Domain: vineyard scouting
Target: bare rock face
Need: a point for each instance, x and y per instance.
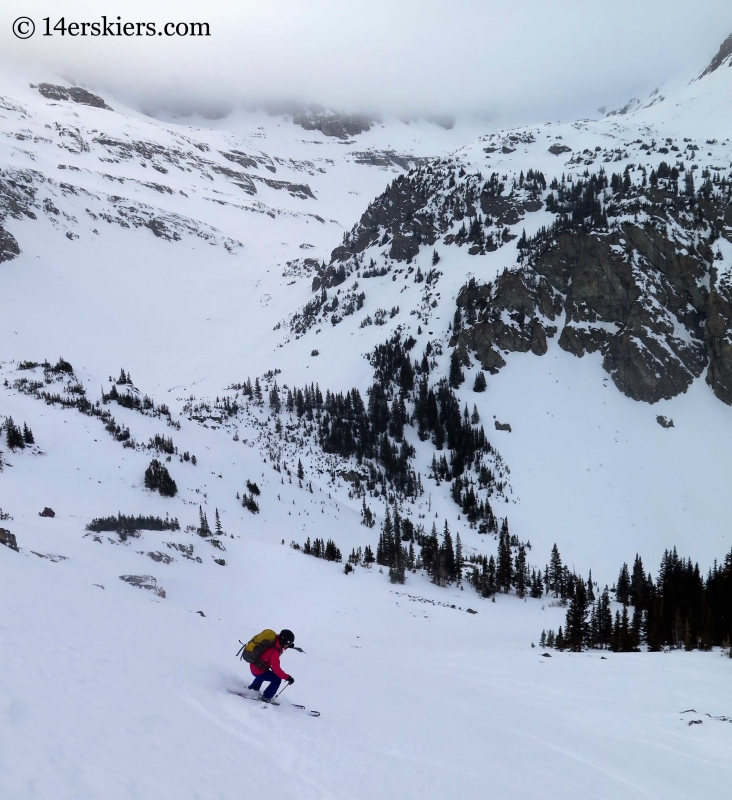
(625, 294)
(144, 582)
(342, 126)
(558, 149)
(725, 51)
(636, 292)
(513, 314)
(8, 539)
(718, 335)
(401, 212)
(160, 558)
(8, 245)
(74, 94)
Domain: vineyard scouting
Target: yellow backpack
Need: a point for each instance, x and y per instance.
(252, 651)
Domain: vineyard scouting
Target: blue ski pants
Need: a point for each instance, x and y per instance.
(274, 683)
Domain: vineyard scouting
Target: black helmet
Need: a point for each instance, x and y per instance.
(287, 638)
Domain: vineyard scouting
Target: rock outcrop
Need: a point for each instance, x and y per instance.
(73, 94)
(144, 582)
(8, 245)
(718, 337)
(8, 539)
(342, 126)
(636, 291)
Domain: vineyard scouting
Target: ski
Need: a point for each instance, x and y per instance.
(302, 708)
(264, 703)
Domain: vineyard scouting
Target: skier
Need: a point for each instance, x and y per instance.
(267, 668)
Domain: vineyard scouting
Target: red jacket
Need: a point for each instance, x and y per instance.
(271, 657)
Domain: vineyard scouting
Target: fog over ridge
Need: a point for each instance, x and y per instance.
(517, 60)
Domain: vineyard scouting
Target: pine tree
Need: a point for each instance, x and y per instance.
(300, 470)
(13, 435)
(475, 418)
(537, 589)
(396, 570)
(604, 620)
(28, 435)
(445, 568)
(622, 592)
(520, 572)
(459, 560)
(367, 518)
(456, 376)
(218, 528)
(577, 629)
(274, 399)
(385, 546)
(479, 385)
(634, 638)
(257, 392)
(504, 567)
(590, 590)
(203, 527)
(554, 583)
(157, 478)
(638, 587)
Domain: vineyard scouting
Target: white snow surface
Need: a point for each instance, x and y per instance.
(108, 690)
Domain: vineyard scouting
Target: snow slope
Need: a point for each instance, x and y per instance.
(115, 692)
(118, 692)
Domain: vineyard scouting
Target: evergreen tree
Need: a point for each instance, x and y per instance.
(274, 399)
(638, 586)
(13, 435)
(157, 478)
(456, 376)
(459, 560)
(604, 620)
(218, 528)
(480, 384)
(636, 626)
(367, 518)
(300, 470)
(504, 567)
(622, 592)
(590, 590)
(396, 569)
(384, 548)
(28, 435)
(520, 577)
(577, 629)
(537, 589)
(555, 572)
(448, 567)
(203, 527)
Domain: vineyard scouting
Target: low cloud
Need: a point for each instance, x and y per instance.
(517, 60)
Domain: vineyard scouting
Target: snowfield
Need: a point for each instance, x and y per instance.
(159, 259)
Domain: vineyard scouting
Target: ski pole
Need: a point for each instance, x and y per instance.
(282, 690)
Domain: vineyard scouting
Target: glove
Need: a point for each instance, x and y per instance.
(290, 679)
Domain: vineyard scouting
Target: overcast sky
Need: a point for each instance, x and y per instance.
(508, 59)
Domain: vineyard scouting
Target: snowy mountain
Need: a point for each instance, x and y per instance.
(229, 344)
